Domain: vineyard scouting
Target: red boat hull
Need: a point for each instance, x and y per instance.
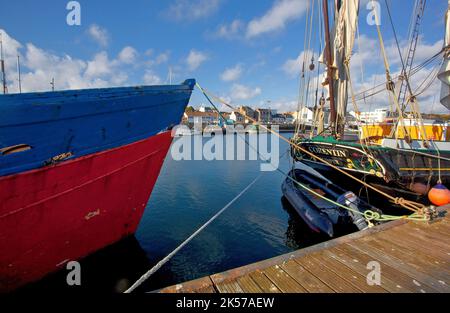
(64, 212)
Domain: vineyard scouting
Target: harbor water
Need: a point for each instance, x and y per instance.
(259, 225)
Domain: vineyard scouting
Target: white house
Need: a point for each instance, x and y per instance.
(237, 117)
(201, 117)
(305, 115)
(204, 109)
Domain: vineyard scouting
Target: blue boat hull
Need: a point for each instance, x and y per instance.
(37, 129)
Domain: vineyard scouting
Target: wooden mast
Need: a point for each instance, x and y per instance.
(329, 66)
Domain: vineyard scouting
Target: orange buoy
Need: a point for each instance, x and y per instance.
(439, 195)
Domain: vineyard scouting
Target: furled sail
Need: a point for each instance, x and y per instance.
(346, 23)
(444, 73)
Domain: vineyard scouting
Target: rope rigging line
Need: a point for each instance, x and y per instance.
(412, 99)
(368, 214)
(382, 87)
(431, 77)
(301, 91)
(389, 83)
(155, 268)
(410, 205)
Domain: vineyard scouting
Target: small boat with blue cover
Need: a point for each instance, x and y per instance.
(301, 188)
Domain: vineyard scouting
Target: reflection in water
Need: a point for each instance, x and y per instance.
(108, 270)
(299, 235)
(256, 227)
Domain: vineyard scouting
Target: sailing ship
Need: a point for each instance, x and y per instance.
(409, 157)
(77, 168)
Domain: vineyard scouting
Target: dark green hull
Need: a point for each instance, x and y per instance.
(402, 168)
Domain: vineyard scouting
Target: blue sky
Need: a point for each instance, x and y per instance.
(244, 51)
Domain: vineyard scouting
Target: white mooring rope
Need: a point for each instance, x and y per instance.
(171, 254)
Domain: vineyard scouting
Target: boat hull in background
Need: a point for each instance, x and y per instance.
(63, 212)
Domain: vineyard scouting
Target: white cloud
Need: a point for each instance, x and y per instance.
(231, 74)
(195, 59)
(99, 66)
(40, 66)
(292, 66)
(230, 31)
(242, 92)
(128, 55)
(282, 12)
(367, 52)
(192, 9)
(157, 60)
(36, 58)
(162, 58)
(99, 34)
(423, 51)
(150, 78)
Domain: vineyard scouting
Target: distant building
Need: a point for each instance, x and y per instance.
(248, 113)
(288, 118)
(278, 119)
(305, 115)
(205, 109)
(237, 117)
(377, 116)
(201, 117)
(263, 115)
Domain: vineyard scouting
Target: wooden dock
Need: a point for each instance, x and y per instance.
(413, 257)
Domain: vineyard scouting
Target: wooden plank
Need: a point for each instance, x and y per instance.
(333, 281)
(413, 256)
(248, 284)
(237, 272)
(356, 279)
(230, 286)
(421, 262)
(418, 246)
(401, 266)
(305, 278)
(426, 235)
(209, 289)
(283, 281)
(440, 225)
(413, 235)
(391, 279)
(264, 283)
(408, 234)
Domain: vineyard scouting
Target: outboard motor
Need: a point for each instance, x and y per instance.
(349, 199)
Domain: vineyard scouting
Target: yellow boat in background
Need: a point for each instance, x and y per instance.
(376, 132)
